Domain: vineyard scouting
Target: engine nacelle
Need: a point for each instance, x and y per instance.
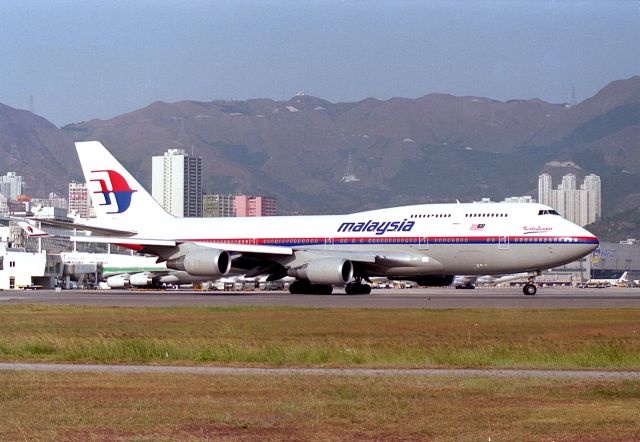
(203, 263)
(334, 271)
(118, 281)
(140, 280)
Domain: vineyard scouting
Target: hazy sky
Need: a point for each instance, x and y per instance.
(97, 59)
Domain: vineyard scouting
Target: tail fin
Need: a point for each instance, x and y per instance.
(32, 231)
(623, 278)
(116, 195)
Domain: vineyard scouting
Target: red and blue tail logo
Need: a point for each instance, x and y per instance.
(119, 189)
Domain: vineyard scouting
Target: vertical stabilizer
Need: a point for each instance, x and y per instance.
(623, 278)
(115, 194)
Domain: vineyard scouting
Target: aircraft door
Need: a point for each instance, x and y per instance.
(328, 242)
(503, 243)
(423, 243)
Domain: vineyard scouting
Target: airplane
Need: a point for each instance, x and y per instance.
(121, 271)
(607, 282)
(428, 244)
(470, 281)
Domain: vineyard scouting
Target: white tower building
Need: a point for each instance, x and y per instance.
(544, 189)
(12, 185)
(4, 208)
(592, 190)
(176, 183)
(582, 206)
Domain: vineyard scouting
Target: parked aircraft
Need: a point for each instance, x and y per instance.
(118, 270)
(470, 281)
(121, 271)
(608, 282)
(423, 243)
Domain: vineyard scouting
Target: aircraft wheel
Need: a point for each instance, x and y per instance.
(357, 289)
(529, 289)
(322, 289)
(306, 288)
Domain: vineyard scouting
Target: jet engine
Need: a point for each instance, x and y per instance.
(203, 263)
(325, 271)
(118, 281)
(140, 280)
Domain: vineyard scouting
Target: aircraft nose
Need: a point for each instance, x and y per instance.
(590, 241)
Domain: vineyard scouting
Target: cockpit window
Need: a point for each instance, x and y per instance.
(548, 212)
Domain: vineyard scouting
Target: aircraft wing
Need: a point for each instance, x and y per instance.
(148, 243)
(259, 259)
(101, 230)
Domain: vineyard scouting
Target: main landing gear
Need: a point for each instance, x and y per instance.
(530, 288)
(357, 288)
(301, 287)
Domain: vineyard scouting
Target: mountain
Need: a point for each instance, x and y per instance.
(35, 149)
(434, 148)
(437, 147)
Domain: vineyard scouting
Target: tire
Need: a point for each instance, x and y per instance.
(357, 289)
(305, 288)
(529, 289)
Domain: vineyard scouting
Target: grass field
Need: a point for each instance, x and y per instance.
(280, 336)
(40, 406)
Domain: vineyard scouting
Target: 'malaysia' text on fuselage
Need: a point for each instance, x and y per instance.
(379, 227)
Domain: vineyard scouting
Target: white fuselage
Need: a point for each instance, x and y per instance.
(469, 239)
(115, 264)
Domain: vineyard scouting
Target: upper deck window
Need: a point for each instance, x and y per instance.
(547, 212)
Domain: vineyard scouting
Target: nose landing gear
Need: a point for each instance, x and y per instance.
(530, 288)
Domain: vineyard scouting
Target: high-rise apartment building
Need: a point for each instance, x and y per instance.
(176, 183)
(79, 200)
(4, 208)
(217, 205)
(12, 185)
(579, 205)
(252, 205)
(544, 189)
(593, 198)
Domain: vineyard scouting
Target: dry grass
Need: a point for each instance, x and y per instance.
(107, 407)
(275, 336)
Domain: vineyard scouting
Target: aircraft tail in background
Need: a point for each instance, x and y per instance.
(32, 231)
(115, 193)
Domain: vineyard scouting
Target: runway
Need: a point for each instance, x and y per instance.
(429, 298)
